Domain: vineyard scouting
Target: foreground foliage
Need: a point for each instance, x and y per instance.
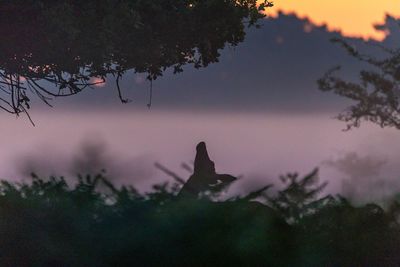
(93, 223)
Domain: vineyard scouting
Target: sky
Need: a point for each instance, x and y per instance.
(354, 18)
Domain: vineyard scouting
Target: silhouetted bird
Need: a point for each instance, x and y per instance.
(204, 177)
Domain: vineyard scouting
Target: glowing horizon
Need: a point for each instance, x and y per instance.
(354, 18)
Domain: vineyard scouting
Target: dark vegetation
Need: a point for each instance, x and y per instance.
(90, 222)
(375, 95)
(57, 48)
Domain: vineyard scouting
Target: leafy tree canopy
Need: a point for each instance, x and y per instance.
(68, 43)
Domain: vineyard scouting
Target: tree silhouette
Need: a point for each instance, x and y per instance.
(56, 48)
(376, 95)
(299, 198)
(204, 178)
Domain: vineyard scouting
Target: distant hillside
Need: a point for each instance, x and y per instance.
(275, 69)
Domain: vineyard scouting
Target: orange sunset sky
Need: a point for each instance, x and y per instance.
(354, 18)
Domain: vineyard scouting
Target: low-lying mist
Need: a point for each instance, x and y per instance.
(360, 164)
